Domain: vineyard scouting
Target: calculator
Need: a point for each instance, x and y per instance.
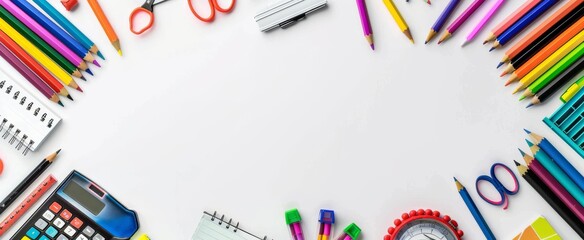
(79, 209)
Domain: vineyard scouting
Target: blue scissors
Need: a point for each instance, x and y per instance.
(503, 191)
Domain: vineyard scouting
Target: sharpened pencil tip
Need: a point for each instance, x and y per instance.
(529, 105)
(96, 63)
(70, 98)
(120, 52)
(500, 64)
(517, 163)
(58, 151)
(490, 50)
(456, 180)
(372, 46)
(485, 42)
(89, 71)
(83, 78)
(60, 103)
(521, 151)
(79, 89)
(527, 131)
(522, 97)
(464, 43)
(100, 55)
(529, 143)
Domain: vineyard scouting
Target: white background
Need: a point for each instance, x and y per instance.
(223, 117)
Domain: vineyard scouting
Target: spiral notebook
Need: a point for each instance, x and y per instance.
(25, 122)
(215, 227)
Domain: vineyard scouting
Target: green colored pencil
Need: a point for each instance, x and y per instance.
(553, 72)
(41, 44)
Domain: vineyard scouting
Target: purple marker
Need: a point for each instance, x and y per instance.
(293, 220)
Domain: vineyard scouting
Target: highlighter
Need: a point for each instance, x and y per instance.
(293, 220)
(326, 222)
(572, 90)
(351, 232)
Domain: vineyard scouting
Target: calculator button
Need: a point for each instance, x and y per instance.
(52, 232)
(25, 238)
(44, 238)
(48, 215)
(41, 224)
(98, 237)
(61, 237)
(70, 231)
(88, 231)
(33, 233)
(77, 223)
(55, 207)
(65, 214)
(81, 237)
(59, 223)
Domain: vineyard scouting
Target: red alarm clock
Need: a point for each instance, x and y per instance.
(424, 225)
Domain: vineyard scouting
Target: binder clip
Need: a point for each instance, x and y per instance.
(286, 13)
(69, 4)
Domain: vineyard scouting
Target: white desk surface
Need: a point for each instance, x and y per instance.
(223, 117)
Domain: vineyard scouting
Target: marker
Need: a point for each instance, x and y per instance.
(327, 220)
(572, 90)
(293, 220)
(351, 232)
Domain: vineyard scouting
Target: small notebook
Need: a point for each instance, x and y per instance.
(25, 122)
(539, 229)
(215, 227)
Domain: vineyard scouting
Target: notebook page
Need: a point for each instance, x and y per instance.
(212, 230)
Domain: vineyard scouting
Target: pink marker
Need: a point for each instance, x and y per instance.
(483, 22)
(293, 220)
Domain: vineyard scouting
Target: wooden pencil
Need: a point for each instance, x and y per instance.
(403, 26)
(511, 19)
(106, 25)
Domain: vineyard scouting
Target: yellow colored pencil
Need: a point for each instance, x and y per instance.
(550, 61)
(401, 23)
(36, 53)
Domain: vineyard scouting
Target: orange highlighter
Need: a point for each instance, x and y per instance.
(106, 25)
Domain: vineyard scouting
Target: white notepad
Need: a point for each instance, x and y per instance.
(25, 122)
(215, 227)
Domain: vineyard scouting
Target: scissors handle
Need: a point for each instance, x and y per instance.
(503, 191)
(213, 5)
(133, 17)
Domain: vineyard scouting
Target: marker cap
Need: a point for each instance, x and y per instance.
(353, 231)
(327, 216)
(292, 216)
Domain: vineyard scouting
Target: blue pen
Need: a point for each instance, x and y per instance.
(68, 26)
(523, 22)
(558, 158)
(55, 30)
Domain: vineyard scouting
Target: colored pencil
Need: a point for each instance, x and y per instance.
(571, 211)
(401, 23)
(39, 43)
(59, 33)
(106, 25)
(472, 207)
(555, 85)
(511, 19)
(446, 13)
(483, 21)
(44, 34)
(572, 90)
(48, 92)
(26, 182)
(68, 26)
(523, 23)
(557, 157)
(554, 72)
(554, 23)
(16, 42)
(550, 61)
(365, 24)
(544, 40)
(556, 172)
(461, 19)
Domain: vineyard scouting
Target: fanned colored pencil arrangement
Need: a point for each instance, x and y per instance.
(49, 55)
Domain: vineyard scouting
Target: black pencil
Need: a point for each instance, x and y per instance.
(552, 87)
(546, 38)
(32, 176)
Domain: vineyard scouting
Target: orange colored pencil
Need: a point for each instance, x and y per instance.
(43, 74)
(546, 51)
(511, 19)
(541, 29)
(106, 25)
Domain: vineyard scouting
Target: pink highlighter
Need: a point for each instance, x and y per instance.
(293, 220)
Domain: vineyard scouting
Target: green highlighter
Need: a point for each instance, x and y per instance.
(572, 90)
(351, 232)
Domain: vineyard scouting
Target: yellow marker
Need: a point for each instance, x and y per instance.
(36, 53)
(572, 90)
(550, 61)
(401, 23)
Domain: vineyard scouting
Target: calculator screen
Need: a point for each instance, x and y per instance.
(84, 198)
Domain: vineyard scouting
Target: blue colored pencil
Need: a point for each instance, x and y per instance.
(523, 22)
(472, 207)
(68, 26)
(55, 30)
(442, 19)
(558, 158)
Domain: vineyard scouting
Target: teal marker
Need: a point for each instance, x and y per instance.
(68, 26)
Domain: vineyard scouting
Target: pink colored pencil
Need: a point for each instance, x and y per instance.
(44, 34)
(483, 22)
(461, 19)
(511, 19)
(365, 24)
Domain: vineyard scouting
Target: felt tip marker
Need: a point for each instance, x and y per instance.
(293, 220)
(326, 222)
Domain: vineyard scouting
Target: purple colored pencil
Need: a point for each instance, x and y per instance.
(26, 72)
(442, 19)
(44, 34)
(461, 19)
(365, 24)
(484, 21)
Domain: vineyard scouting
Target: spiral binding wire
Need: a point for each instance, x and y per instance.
(13, 130)
(228, 224)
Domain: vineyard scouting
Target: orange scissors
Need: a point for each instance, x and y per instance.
(214, 6)
(148, 9)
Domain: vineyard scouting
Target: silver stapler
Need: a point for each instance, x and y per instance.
(286, 13)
